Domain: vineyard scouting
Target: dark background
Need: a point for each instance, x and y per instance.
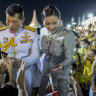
(68, 8)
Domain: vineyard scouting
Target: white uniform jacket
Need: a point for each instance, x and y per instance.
(25, 40)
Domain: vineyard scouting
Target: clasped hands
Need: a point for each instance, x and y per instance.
(8, 63)
(5, 64)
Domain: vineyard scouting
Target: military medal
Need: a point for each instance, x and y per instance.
(5, 39)
(25, 38)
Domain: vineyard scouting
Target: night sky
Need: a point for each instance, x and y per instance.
(68, 8)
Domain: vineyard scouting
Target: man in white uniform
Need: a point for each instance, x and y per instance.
(21, 41)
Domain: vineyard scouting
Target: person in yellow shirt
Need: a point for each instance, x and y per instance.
(84, 47)
(88, 61)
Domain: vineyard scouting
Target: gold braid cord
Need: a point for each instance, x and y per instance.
(7, 45)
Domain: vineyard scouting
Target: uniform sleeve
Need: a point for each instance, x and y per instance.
(68, 49)
(33, 58)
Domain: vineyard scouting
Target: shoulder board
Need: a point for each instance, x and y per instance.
(30, 28)
(3, 28)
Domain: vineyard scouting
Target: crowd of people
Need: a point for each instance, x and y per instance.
(83, 66)
(28, 59)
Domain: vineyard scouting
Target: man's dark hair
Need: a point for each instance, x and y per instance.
(15, 8)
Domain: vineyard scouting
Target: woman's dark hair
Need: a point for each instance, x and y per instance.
(15, 8)
(50, 10)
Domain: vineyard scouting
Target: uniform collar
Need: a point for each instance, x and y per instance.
(19, 30)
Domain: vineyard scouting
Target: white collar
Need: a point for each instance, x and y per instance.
(18, 31)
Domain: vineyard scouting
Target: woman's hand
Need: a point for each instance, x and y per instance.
(58, 68)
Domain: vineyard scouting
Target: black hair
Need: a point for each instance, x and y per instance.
(8, 90)
(50, 10)
(15, 8)
(77, 45)
(86, 41)
(74, 65)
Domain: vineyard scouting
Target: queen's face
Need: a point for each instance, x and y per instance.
(51, 23)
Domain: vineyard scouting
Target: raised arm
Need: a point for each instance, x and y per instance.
(20, 80)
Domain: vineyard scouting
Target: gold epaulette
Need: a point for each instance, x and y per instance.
(30, 28)
(3, 28)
